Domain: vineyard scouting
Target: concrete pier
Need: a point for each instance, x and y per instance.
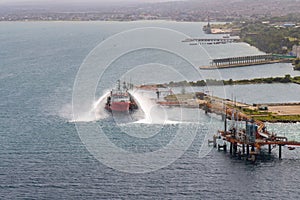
(243, 61)
(211, 40)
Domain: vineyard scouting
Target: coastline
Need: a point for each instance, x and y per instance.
(283, 112)
(213, 82)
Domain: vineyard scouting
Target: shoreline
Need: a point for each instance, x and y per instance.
(267, 112)
(283, 112)
(213, 82)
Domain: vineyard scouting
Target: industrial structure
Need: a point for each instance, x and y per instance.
(247, 142)
(247, 61)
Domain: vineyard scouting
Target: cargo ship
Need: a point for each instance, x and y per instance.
(120, 99)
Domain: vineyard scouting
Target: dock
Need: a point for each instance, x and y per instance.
(211, 40)
(253, 136)
(242, 61)
(246, 142)
(266, 112)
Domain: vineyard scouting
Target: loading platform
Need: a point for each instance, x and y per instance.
(244, 142)
(253, 136)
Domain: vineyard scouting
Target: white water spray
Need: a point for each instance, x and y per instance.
(153, 113)
(96, 112)
(149, 112)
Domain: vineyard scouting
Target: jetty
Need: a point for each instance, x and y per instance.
(246, 142)
(242, 142)
(194, 41)
(253, 136)
(246, 61)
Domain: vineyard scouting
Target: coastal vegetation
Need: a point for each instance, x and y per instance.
(270, 39)
(296, 63)
(267, 116)
(251, 112)
(271, 35)
(286, 79)
(266, 113)
(277, 118)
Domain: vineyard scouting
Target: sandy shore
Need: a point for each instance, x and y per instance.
(285, 109)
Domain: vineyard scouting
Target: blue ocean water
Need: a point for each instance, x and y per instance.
(42, 156)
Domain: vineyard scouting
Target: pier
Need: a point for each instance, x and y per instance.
(244, 61)
(246, 142)
(253, 136)
(210, 40)
(243, 142)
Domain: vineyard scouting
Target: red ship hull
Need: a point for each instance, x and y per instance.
(120, 106)
(120, 100)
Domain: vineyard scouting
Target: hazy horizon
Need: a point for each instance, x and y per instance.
(82, 1)
(179, 10)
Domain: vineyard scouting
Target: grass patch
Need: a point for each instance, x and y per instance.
(248, 111)
(278, 118)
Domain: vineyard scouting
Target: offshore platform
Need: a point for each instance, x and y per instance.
(247, 142)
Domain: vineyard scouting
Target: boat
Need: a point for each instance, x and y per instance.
(120, 99)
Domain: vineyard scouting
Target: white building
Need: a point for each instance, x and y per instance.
(296, 51)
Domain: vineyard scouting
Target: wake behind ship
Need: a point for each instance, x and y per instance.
(120, 99)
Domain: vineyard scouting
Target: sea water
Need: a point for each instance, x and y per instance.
(45, 154)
